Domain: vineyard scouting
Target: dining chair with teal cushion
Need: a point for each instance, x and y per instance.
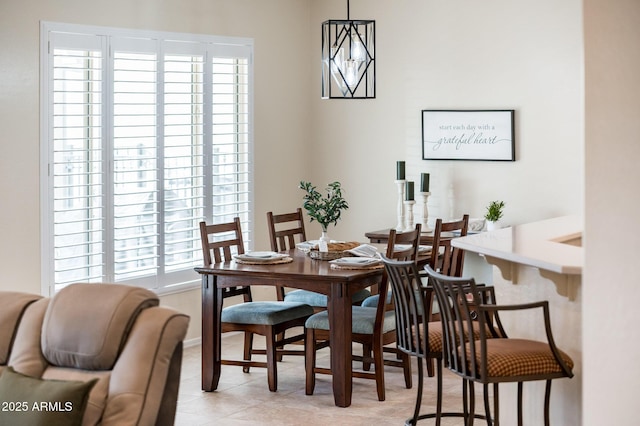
(373, 327)
(285, 230)
(447, 260)
(269, 319)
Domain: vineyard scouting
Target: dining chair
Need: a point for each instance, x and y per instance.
(285, 230)
(448, 260)
(492, 358)
(269, 319)
(373, 327)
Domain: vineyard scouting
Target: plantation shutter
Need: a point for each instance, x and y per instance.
(77, 158)
(231, 135)
(144, 136)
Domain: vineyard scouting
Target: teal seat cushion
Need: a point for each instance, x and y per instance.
(372, 302)
(320, 300)
(265, 313)
(362, 323)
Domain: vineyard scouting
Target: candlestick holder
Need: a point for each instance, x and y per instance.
(409, 214)
(423, 210)
(401, 188)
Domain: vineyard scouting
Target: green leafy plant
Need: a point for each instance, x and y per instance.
(324, 210)
(494, 211)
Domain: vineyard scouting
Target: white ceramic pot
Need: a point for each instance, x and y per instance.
(492, 226)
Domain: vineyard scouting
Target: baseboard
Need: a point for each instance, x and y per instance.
(198, 340)
(192, 342)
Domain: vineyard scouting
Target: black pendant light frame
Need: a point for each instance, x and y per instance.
(339, 36)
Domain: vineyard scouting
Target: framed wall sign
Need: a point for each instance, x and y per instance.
(468, 135)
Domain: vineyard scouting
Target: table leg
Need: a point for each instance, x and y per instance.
(211, 332)
(340, 340)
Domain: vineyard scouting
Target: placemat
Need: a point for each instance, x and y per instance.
(265, 262)
(376, 266)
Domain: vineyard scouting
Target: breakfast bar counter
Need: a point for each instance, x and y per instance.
(553, 246)
(539, 261)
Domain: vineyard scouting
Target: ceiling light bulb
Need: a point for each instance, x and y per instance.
(358, 51)
(351, 72)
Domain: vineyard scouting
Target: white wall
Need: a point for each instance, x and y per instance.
(610, 333)
(281, 108)
(500, 54)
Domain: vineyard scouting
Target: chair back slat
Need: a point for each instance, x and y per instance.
(445, 258)
(285, 239)
(284, 229)
(400, 246)
(219, 243)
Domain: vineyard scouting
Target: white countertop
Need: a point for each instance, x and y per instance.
(538, 244)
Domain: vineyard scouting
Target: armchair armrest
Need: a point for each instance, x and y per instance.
(142, 373)
(547, 325)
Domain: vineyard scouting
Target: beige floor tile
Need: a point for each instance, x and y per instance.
(244, 399)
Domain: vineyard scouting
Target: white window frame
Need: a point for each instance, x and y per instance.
(215, 46)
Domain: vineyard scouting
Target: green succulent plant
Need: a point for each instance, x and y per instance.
(324, 210)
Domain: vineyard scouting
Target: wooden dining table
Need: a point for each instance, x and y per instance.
(302, 273)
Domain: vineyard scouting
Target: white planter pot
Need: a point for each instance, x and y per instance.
(492, 226)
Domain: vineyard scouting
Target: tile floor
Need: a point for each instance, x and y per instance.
(244, 399)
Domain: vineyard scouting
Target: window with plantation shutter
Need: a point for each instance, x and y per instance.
(144, 135)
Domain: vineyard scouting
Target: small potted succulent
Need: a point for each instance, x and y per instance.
(494, 214)
(324, 210)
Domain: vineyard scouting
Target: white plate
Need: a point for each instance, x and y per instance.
(261, 254)
(361, 261)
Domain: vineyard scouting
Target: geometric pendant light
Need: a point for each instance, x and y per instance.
(348, 59)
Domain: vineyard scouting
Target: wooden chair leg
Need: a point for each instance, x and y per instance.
(366, 356)
(248, 348)
(430, 371)
(378, 361)
(279, 337)
(406, 366)
(272, 364)
(310, 361)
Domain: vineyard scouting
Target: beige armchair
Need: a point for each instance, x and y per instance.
(115, 335)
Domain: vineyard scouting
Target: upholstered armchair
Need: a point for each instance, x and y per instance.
(120, 350)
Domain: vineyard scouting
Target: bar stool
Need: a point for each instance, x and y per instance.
(490, 357)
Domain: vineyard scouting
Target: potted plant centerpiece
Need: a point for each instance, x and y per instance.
(324, 210)
(494, 214)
